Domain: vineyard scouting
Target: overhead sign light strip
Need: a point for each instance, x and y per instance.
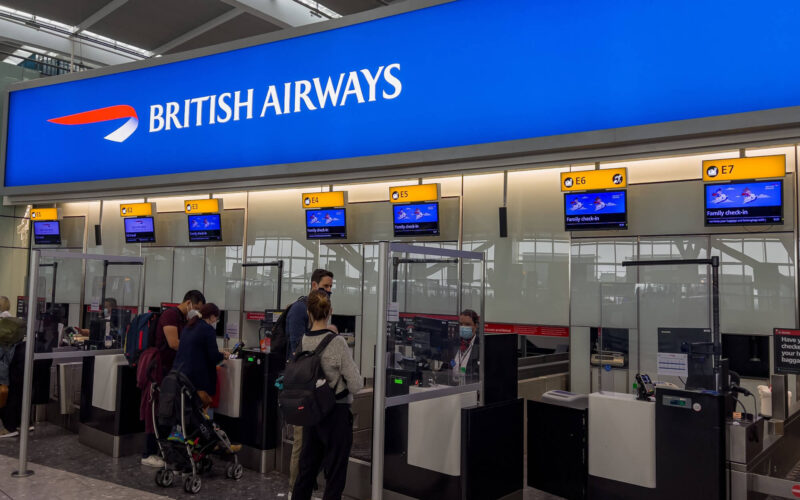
(475, 79)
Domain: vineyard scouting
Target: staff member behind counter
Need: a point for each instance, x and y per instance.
(464, 362)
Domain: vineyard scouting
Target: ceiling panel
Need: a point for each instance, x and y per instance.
(70, 12)
(151, 23)
(241, 26)
(345, 7)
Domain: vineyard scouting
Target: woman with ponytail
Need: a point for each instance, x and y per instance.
(328, 443)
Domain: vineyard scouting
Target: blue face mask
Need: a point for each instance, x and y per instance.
(465, 332)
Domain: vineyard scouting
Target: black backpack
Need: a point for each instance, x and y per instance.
(303, 400)
(279, 341)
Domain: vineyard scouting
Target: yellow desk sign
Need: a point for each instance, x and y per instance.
(328, 199)
(757, 167)
(589, 180)
(204, 206)
(416, 192)
(44, 213)
(136, 210)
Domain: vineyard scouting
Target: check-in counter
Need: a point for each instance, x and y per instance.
(248, 406)
(109, 414)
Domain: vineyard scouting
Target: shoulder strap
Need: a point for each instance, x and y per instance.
(327, 340)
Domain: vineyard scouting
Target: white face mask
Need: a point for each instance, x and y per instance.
(192, 313)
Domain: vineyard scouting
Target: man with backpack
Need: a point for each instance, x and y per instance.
(296, 326)
(167, 336)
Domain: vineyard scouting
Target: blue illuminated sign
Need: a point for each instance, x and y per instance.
(462, 73)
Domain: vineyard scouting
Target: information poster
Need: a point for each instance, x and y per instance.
(787, 351)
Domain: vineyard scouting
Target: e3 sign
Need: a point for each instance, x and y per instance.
(757, 167)
(589, 180)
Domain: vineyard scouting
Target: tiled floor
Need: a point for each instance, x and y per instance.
(67, 470)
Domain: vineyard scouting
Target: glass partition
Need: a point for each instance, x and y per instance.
(661, 326)
(431, 362)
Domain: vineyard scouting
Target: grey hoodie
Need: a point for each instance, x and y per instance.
(340, 370)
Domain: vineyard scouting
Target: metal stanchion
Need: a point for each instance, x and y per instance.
(27, 387)
(379, 384)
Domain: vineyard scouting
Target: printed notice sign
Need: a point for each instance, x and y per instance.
(675, 364)
(787, 350)
(393, 312)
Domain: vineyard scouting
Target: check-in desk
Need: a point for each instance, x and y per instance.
(109, 414)
(248, 407)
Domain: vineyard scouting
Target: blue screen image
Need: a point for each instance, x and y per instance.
(744, 194)
(326, 224)
(323, 218)
(204, 222)
(595, 210)
(744, 203)
(47, 232)
(139, 225)
(206, 227)
(612, 202)
(424, 212)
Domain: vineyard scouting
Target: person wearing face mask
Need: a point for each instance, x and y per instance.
(297, 324)
(198, 354)
(465, 362)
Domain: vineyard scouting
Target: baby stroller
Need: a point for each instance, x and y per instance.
(187, 451)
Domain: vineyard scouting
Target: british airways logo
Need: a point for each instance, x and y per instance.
(361, 86)
(103, 115)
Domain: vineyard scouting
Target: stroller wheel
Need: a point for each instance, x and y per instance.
(192, 484)
(234, 471)
(160, 477)
(167, 478)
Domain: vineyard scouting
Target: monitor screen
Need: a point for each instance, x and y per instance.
(326, 224)
(47, 232)
(139, 230)
(420, 219)
(595, 211)
(744, 203)
(748, 355)
(205, 227)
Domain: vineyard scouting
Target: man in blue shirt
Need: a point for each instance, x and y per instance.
(296, 326)
(297, 317)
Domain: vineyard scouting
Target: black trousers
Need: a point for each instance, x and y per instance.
(12, 413)
(326, 446)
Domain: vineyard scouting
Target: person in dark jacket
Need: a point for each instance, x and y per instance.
(198, 354)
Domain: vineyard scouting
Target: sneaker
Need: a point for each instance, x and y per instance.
(5, 433)
(153, 461)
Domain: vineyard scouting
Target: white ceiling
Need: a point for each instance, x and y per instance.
(104, 32)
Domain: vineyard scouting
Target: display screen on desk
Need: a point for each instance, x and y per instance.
(47, 232)
(326, 224)
(744, 203)
(205, 227)
(595, 211)
(139, 230)
(420, 219)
